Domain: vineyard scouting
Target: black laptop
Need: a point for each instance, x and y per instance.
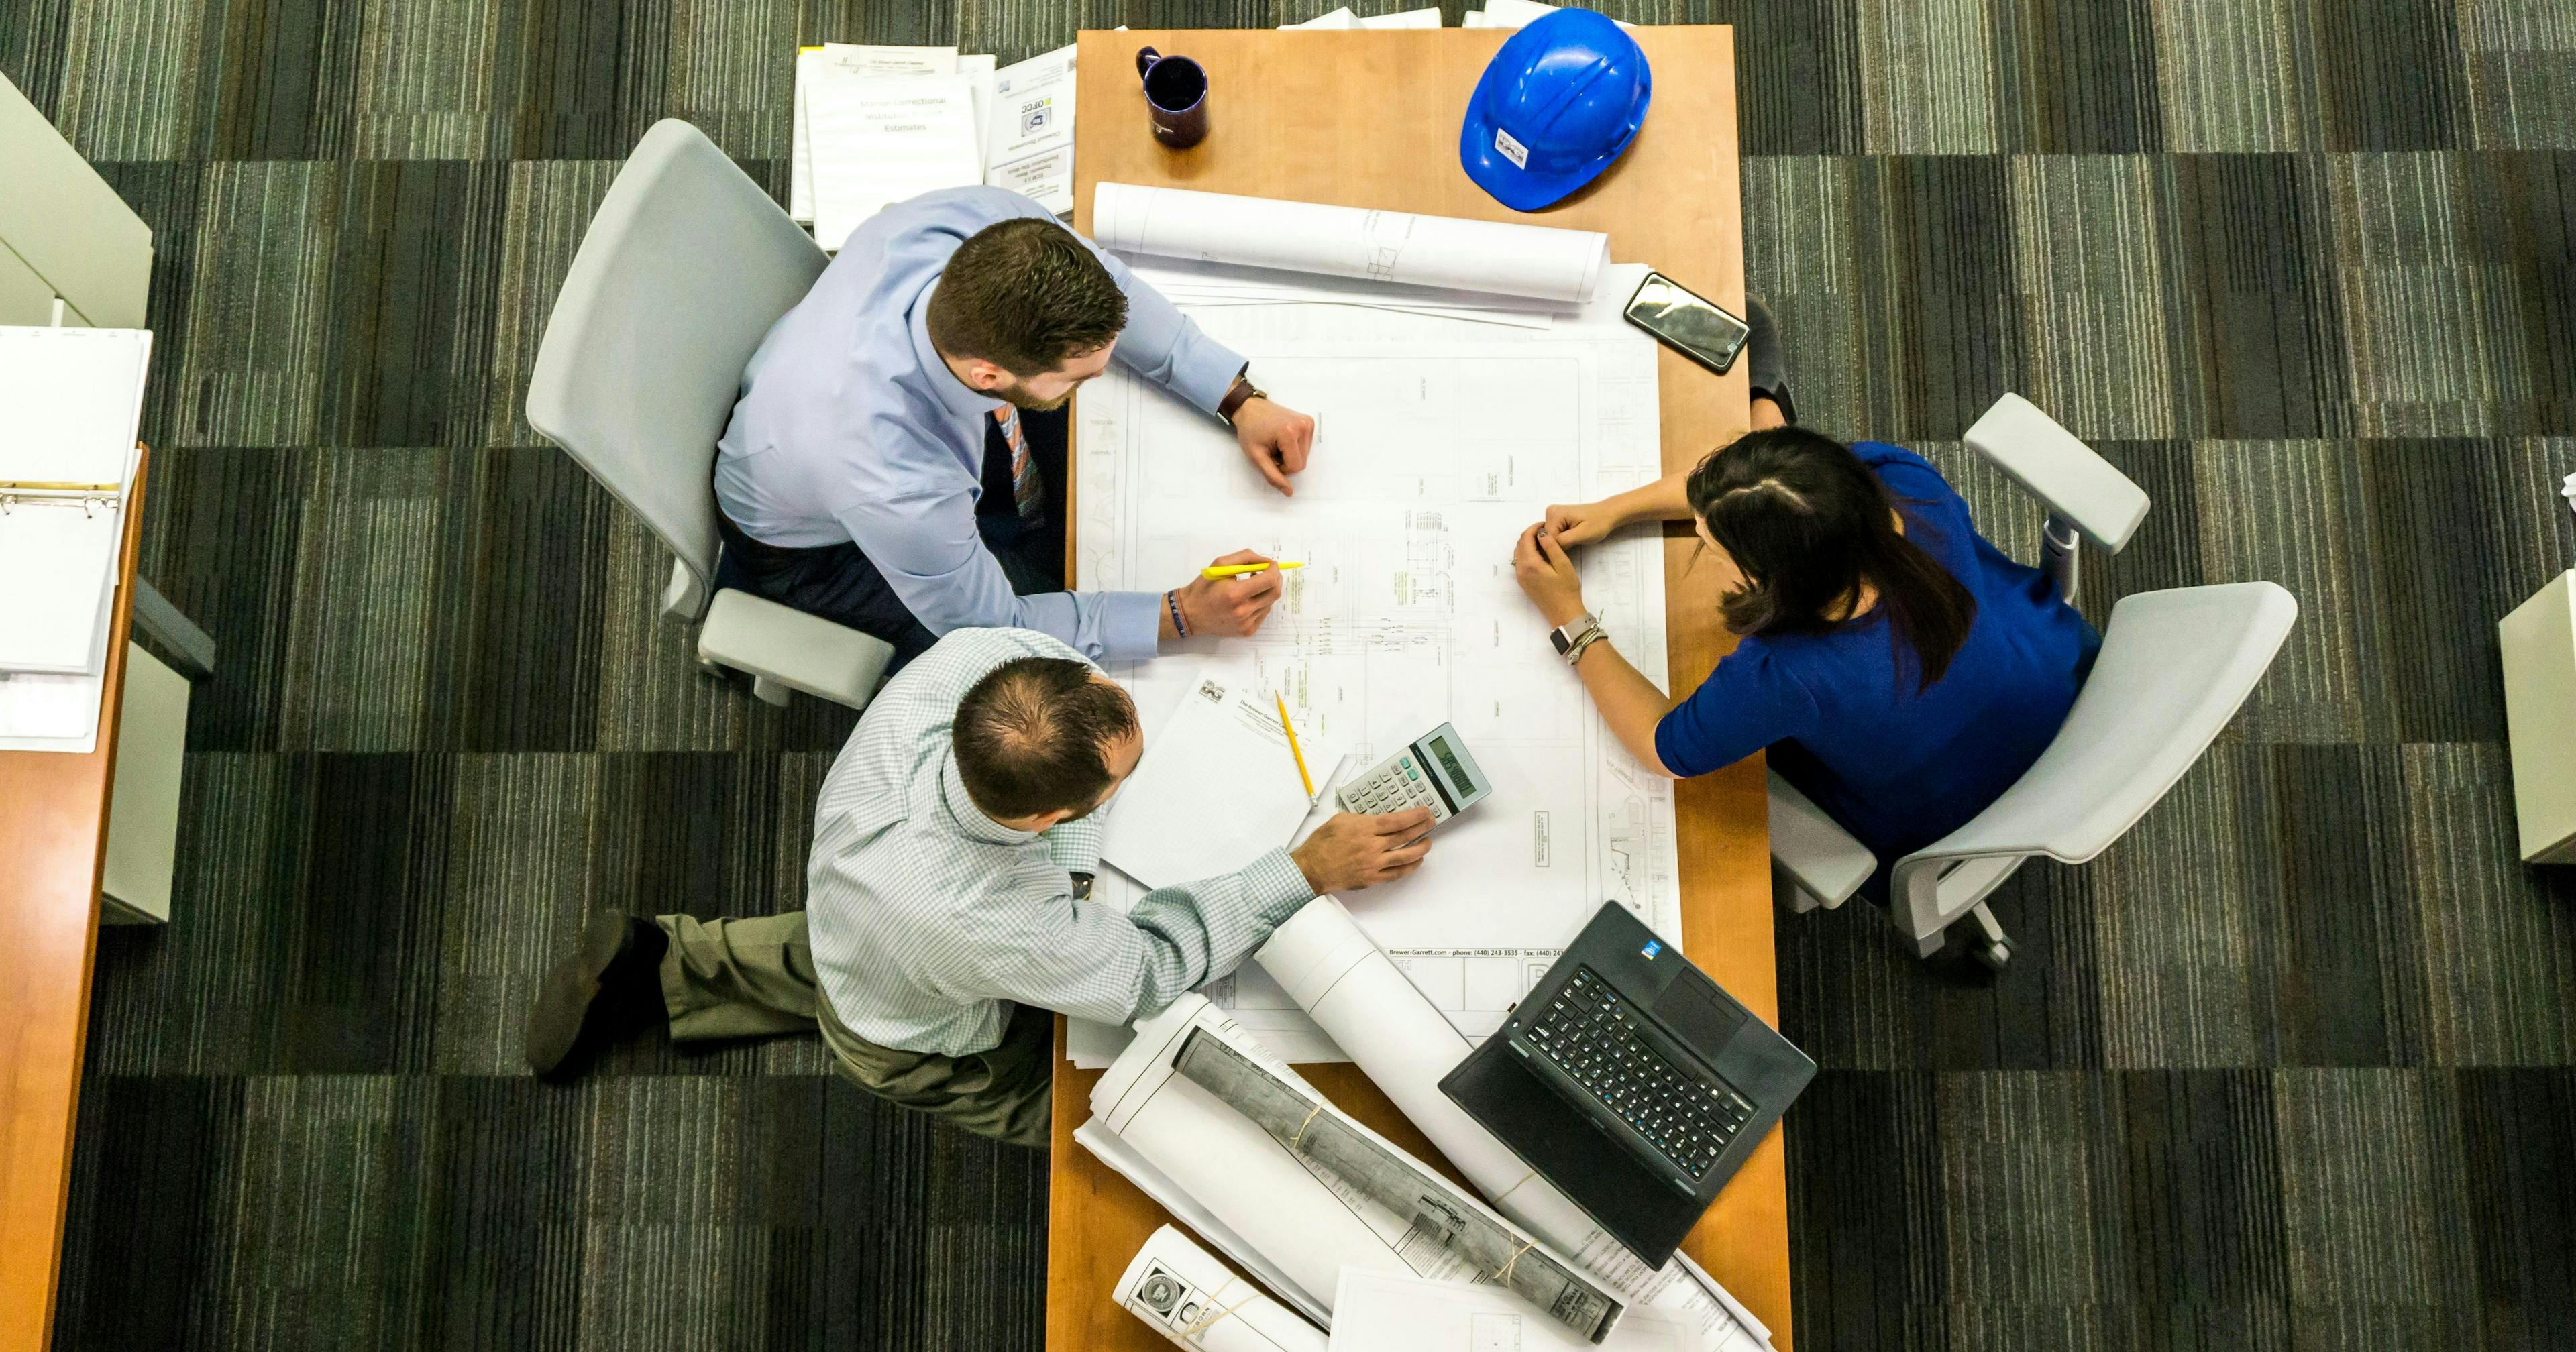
(1631, 1082)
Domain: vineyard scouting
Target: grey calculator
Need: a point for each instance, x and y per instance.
(1435, 771)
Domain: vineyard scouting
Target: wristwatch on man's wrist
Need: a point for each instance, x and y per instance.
(1575, 635)
(1242, 392)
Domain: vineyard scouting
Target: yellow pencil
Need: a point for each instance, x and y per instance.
(1291, 730)
(1239, 569)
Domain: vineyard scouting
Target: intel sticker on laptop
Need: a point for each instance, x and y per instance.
(1653, 947)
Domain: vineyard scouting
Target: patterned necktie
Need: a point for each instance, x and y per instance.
(1025, 484)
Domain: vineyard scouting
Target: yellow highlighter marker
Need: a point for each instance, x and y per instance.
(1239, 569)
(1291, 730)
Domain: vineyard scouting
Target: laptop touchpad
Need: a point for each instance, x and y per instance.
(1692, 1009)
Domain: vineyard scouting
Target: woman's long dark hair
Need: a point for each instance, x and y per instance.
(1809, 524)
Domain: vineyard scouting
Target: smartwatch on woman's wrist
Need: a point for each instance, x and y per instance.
(1577, 634)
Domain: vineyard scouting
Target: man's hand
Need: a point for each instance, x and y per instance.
(1232, 607)
(1350, 851)
(1546, 573)
(1275, 440)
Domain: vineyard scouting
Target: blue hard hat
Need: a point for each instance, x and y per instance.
(1559, 102)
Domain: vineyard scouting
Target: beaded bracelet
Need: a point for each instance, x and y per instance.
(1172, 602)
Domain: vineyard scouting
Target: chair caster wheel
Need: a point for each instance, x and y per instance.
(1993, 956)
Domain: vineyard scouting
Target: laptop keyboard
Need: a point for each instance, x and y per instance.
(1591, 1032)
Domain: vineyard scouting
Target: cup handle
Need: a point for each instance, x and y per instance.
(1145, 59)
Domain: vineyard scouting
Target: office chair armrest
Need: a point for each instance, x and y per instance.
(791, 648)
(2073, 482)
(1813, 849)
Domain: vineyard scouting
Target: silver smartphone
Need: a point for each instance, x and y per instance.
(1687, 323)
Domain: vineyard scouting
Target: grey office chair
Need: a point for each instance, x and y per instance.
(682, 272)
(2175, 665)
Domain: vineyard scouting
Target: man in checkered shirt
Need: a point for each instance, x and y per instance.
(948, 899)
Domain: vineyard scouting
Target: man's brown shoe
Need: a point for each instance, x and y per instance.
(610, 985)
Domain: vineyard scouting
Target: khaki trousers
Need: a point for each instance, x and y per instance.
(754, 977)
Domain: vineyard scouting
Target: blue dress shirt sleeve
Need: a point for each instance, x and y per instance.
(1159, 343)
(1168, 347)
(931, 554)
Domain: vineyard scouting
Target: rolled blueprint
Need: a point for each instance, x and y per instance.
(1332, 970)
(1313, 1130)
(1111, 1149)
(1182, 1292)
(1296, 1215)
(1448, 253)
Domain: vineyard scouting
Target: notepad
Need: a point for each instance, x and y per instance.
(1218, 786)
(881, 139)
(861, 59)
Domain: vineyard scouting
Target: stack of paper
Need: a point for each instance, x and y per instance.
(1513, 14)
(1219, 785)
(1344, 18)
(1028, 147)
(69, 403)
(874, 125)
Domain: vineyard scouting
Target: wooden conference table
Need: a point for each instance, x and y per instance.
(53, 839)
(1371, 119)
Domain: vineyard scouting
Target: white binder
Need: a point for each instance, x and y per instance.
(70, 401)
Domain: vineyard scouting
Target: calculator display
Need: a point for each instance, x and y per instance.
(1433, 772)
(1448, 760)
(1462, 784)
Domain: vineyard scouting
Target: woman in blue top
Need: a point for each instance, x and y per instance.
(1900, 670)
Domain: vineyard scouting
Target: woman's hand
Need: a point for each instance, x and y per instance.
(1546, 574)
(1582, 523)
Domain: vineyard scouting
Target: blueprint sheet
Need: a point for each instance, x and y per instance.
(1438, 441)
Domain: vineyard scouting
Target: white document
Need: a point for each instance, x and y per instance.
(50, 713)
(70, 399)
(1446, 252)
(1211, 285)
(1218, 786)
(864, 60)
(1182, 1292)
(1382, 1312)
(1428, 17)
(1122, 1159)
(1515, 14)
(1328, 967)
(882, 139)
(1300, 1217)
(1340, 18)
(57, 575)
(979, 72)
(1441, 441)
(1028, 140)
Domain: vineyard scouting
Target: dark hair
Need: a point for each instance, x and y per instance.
(1024, 294)
(1029, 737)
(1810, 525)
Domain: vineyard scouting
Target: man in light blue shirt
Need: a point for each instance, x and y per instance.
(897, 459)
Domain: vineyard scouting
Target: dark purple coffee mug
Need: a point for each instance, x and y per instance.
(1176, 95)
